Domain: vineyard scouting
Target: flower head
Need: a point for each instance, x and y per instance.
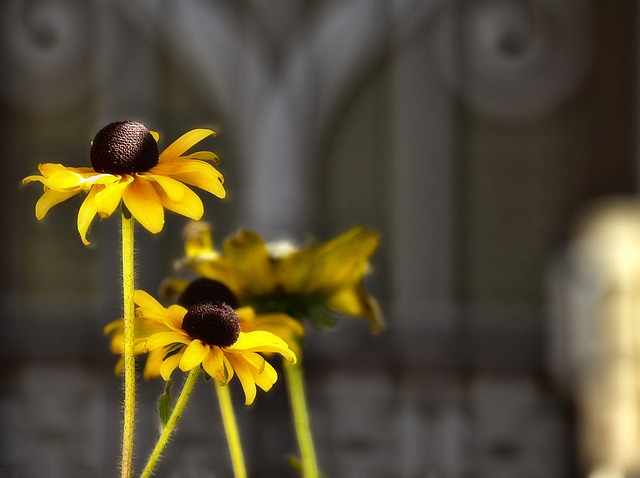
(207, 334)
(127, 168)
(317, 282)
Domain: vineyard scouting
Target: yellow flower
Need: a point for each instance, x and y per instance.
(127, 168)
(208, 334)
(200, 289)
(317, 282)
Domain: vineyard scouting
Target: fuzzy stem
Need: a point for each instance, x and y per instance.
(176, 413)
(231, 429)
(129, 334)
(299, 409)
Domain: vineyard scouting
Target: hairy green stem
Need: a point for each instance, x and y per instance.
(128, 423)
(301, 422)
(176, 413)
(231, 430)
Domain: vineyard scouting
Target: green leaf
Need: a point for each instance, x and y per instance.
(165, 405)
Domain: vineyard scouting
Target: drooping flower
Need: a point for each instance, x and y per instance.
(318, 282)
(208, 334)
(127, 168)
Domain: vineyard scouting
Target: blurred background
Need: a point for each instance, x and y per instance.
(492, 143)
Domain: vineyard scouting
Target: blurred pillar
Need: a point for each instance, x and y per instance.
(596, 336)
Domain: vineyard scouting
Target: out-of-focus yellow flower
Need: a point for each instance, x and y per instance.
(127, 168)
(208, 334)
(317, 282)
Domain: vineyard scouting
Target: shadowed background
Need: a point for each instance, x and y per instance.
(470, 134)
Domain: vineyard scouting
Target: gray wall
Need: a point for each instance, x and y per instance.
(469, 133)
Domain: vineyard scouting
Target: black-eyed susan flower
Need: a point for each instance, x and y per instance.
(208, 334)
(318, 282)
(202, 289)
(127, 168)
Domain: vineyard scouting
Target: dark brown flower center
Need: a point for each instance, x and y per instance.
(215, 323)
(124, 147)
(202, 289)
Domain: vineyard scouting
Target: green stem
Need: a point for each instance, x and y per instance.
(299, 409)
(129, 335)
(231, 429)
(176, 413)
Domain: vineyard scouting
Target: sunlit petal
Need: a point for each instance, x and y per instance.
(204, 156)
(184, 142)
(169, 365)
(144, 204)
(213, 364)
(109, 198)
(163, 339)
(174, 189)
(194, 354)
(194, 172)
(243, 372)
(51, 198)
(86, 214)
(266, 378)
(189, 205)
(263, 341)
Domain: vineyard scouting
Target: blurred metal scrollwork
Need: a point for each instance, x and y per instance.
(515, 59)
(48, 51)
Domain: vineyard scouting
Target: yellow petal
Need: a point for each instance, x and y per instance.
(204, 156)
(189, 205)
(51, 198)
(243, 372)
(169, 365)
(155, 135)
(109, 198)
(184, 142)
(198, 239)
(153, 364)
(262, 341)
(248, 253)
(86, 213)
(266, 378)
(174, 189)
(144, 299)
(144, 204)
(193, 172)
(162, 339)
(334, 264)
(194, 355)
(355, 302)
(213, 364)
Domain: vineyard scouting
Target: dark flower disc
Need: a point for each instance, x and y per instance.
(202, 289)
(215, 323)
(124, 147)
